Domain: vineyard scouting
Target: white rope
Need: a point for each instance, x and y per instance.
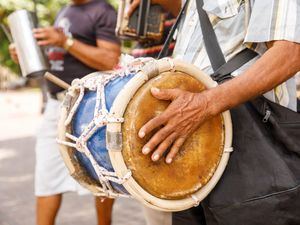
(99, 93)
(171, 62)
(76, 104)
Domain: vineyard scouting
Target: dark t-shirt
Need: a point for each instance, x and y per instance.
(86, 23)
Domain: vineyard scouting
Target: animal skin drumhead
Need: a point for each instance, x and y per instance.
(196, 161)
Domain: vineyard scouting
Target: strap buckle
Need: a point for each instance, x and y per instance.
(267, 116)
(220, 78)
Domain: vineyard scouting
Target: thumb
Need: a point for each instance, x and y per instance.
(165, 94)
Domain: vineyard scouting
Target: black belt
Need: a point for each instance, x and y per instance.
(57, 95)
(53, 95)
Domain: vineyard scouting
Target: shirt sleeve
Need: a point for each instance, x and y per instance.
(274, 20)
(106, 24)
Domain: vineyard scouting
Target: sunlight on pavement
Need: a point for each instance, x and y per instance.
(17, 179)
(6, 154)
(19, 113)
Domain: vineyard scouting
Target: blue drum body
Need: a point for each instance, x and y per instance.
(97, 143)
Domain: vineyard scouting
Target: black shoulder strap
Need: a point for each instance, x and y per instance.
(222, 70)
(165, 49)
(212, 46)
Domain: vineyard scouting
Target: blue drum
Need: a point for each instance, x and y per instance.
(84, 115)
(100, 119)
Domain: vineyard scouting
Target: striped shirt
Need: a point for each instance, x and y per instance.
(239, 24)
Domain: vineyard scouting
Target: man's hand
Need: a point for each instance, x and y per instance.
(188, 110)
(13, 53)
(182, 117)
(132, 7)
(104, 56)
(50, 36)
(172, 6)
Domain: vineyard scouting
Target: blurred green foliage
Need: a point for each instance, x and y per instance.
(46, 11)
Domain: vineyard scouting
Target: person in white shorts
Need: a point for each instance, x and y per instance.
(81, 41)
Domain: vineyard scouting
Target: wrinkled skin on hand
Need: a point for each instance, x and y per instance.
(50, 36)
(182, 117)
(187, 111)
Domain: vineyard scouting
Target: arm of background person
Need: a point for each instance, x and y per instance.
(104, 56)
(189, 110)
(172, 6)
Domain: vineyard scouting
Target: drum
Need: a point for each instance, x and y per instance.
(100, 119)
(145, 23)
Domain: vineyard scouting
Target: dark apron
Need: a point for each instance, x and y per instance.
(261, 183)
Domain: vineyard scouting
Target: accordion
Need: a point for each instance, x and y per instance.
(145, 23)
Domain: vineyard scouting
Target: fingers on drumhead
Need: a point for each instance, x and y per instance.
(165, 94)
(158, 138)
(175, 149)
(151, 125)
(164, 146)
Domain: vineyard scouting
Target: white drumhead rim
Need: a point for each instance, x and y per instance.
(118, 109)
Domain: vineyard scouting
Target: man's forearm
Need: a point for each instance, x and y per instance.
(188, 110)
(172, 6)
(278, 64)
(96, 57)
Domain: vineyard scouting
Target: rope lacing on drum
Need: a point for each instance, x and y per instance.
(101, 118)
(104, 176)
(171, 62)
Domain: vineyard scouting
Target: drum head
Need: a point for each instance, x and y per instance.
(196, 161)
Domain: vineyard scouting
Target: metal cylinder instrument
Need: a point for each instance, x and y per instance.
(31, 58)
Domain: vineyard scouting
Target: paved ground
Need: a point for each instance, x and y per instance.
(19, 117)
